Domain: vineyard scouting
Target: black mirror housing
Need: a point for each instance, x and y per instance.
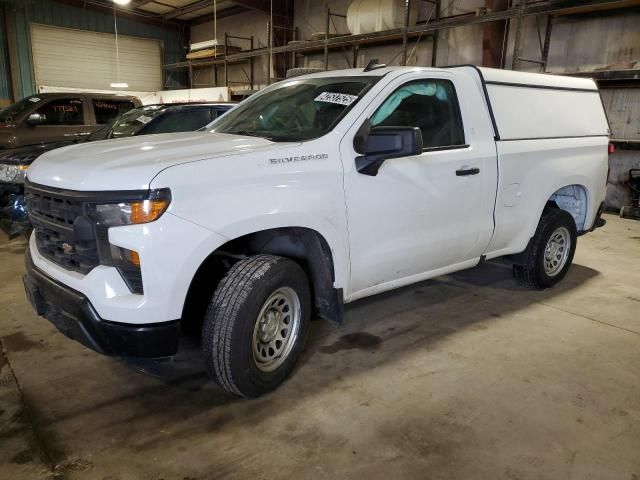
(383, 143)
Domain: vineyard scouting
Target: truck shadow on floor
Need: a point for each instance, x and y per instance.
(376, 331)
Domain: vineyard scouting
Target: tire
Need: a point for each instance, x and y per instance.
(247, 317)
(543, 269)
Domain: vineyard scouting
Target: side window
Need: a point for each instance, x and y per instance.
(62, 111)
(221, 111)
(215, 113)
(107, 110)
(431, 105)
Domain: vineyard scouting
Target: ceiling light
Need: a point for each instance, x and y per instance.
(122, 2)
(119, 85)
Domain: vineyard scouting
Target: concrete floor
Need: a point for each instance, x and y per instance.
(467, 376)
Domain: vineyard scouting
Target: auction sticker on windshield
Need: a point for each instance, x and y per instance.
(144, 119)
(339, 98)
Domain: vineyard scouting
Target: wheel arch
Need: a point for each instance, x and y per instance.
(308, 247)
(574, 199)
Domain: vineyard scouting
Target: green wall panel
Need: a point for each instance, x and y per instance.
(6, 91)
(49, 12)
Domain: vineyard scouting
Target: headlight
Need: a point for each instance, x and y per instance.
(131, 213)
(13, 173)
(134, 212)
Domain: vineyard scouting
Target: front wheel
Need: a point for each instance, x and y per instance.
(551, 251)
(256, 325)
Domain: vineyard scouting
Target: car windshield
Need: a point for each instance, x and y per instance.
(127, 124)
(9, 113)
(186, 119)
(295, 110)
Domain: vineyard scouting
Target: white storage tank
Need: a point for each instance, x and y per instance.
(366, 16)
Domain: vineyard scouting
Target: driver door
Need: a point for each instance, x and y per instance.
(60, 119)
(427, 214)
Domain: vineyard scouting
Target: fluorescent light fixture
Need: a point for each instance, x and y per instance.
(122, 2)
(119, 85)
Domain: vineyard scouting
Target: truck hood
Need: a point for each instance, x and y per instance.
(131, 163)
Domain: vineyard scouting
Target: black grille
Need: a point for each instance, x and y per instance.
(63, 234)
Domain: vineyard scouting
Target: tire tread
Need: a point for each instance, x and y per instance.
(231, 293)
(526, 274)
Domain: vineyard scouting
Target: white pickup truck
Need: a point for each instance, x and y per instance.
(315, 192)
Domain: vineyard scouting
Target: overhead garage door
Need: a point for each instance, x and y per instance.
(64, 57)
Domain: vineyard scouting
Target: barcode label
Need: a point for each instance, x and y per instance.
(338, 98)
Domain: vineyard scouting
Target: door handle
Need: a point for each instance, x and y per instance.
(467, 171)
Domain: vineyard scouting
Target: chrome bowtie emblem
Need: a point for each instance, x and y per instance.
(67, 248)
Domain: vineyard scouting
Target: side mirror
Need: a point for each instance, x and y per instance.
(377, 144)
(34, 119)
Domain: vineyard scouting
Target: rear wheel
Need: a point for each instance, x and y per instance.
(551, 251)
(256, 325)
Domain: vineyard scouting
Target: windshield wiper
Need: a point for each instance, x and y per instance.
(249, 133)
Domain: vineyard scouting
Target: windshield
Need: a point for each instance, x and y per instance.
(295, 110)
(127, 124)
(17, 108)
(187, 119)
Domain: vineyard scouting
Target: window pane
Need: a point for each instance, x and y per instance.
(17, 108)
(63, 111)
(183, 120)
(106, 110)
(295, 110)
(129, 123)
(431, 105)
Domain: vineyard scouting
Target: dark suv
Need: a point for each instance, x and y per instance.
(52, 117)
(150, 119)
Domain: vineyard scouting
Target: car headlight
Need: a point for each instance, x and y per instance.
(133, 212)
(13, 173)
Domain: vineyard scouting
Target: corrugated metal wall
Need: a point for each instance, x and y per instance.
(48, 12)
(5, 75)
(623, 108)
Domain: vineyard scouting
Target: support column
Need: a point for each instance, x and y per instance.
(493, 37)
(517, 45)
(405, 36)
(434, 45)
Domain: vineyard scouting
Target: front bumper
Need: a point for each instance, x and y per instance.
(73, 315)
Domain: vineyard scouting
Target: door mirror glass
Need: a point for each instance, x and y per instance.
(34, 119)
(378, 144)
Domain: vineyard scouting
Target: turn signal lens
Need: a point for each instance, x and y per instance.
(148, 210)
(132, 212)
(134, 258)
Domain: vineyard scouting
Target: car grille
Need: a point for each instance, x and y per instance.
(63, 234)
